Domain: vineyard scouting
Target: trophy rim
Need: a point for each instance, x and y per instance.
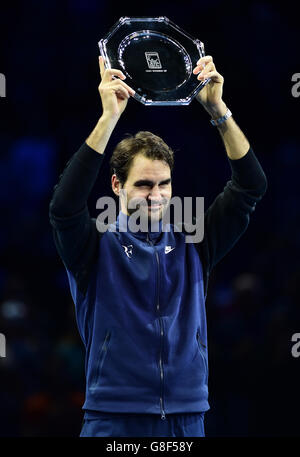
(191, 92)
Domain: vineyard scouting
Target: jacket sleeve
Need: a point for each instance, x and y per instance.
(75, 234)
(228, 217)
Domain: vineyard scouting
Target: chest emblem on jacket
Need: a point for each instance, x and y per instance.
(168, 249)
(128, 250)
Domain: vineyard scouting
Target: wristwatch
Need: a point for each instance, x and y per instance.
(222, 119)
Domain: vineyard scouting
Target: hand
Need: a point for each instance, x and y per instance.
(210, 96)
(113, 91)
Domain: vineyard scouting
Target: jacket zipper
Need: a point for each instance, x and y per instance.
(163, 415)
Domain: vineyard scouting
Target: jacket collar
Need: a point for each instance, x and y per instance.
(122, 224)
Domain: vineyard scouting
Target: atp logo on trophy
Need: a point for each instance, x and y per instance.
(153, 60)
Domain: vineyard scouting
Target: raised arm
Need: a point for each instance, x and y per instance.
(228, 217)
(114, 93)
(210, 97)
(75, 234)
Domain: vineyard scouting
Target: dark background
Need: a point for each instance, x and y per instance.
(49, 55)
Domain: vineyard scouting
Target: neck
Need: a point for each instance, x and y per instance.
(142, 228)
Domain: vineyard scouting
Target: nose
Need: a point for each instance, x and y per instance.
(155, 194)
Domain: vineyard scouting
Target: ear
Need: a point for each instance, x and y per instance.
(115, 185)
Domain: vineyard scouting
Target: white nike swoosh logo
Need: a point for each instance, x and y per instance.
(168, 249)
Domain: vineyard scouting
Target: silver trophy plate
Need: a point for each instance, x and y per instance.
(157, 58)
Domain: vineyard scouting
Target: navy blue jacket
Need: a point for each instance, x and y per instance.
(140, 297)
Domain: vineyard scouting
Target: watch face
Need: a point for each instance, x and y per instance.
(157, 58)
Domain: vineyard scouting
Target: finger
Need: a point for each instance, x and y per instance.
(109, 73)
(202, 63)
(213, 75)
(121, 91)
(204, 69)
(117, 87)
(116, 82)
(101, 66)
(210, 66)
(205, 60)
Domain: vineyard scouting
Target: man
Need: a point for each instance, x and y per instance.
(140, 295)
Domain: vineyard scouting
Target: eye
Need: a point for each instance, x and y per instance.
(146, 186)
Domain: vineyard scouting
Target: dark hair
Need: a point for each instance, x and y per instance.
(146, 143)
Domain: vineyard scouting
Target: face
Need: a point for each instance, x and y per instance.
(149, 180)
